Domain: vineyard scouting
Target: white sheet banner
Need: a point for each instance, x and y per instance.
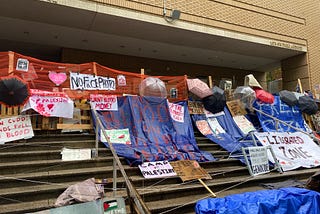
(293, 150)
(215, 126)
(176, 112)
(50, 104)
(259, 160)
(244, 124)
(15, 128)
(121, 136)
(156, 169)
(91, 82)
(104, 102)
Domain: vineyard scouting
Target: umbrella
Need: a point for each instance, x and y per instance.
(199, 88)
(245, 94)
(307, 105)
(13, 91)
(216, 102)
(288, 97)
(154, 87)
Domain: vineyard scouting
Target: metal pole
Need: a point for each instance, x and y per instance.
(96, 153)
(114, 180)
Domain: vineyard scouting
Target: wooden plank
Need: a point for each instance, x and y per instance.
(16, 110)
(45, 123)
(74, 126)
(3, 110)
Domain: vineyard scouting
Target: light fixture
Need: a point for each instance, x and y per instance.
(175, 14)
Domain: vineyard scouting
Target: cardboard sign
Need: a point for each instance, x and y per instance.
(244, 124)
(195, 107)
(236, 108)
(91, 82)
(50, 104)
(104, 102)
(259, 160)
(176, 112)
(156, 169)
(15, 128)
(293, 150)
(189, 170)
(121, 136)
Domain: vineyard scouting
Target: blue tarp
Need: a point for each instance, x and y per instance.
(289, 200)
(154, 135)
(289, 114)
(230, 139)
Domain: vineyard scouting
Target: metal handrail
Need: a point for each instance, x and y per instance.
(141, 206)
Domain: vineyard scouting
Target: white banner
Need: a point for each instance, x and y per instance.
(102, 102)
(176, 112)
(215, 126)
(156, 169)
(50, 104)
(293, 150)
(259, 160)
(15, 128)
(91, 82)
(121, 136)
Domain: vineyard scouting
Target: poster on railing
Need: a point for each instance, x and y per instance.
(91, 82)
(101, 102)
(156, 169)
(259, 160)
(15, 128)
(176, 112)
(50, 104)
(121, 136)
(292, 149)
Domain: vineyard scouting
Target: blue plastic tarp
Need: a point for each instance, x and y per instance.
(280, 110)
(154, 135)
(289, 200)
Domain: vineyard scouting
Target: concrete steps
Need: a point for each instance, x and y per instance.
(32, 176)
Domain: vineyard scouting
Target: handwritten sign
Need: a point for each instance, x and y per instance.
(156, 169)
(104, 102)
(244, 124)
(204, 127)
(236, 108)
(195, 107)
(50, 104)
(176, 112)
(75, 154)
(215, 126)
(91, 82)
(15, 128)
(259, 160)
(189, 170)
(293, 150)
(121, 136)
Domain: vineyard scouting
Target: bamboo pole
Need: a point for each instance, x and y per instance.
(205, 185)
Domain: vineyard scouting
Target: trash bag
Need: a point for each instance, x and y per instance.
(307, 105)
(288, 97)
(153, 87)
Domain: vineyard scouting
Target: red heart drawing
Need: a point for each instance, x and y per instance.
(57, 78)
(50, 106)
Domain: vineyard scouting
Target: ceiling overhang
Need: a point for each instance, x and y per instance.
(43, 28)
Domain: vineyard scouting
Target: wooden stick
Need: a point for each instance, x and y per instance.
(210, 81)
(205, 185)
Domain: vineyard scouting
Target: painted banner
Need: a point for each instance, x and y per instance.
(244, 124)
(91, 82)
(117, 136)
(259, 160)
(189, 170)
(293, 150)
(176, 112)
(156, 169)
(102, 102)
(50, 104)
(15, 128)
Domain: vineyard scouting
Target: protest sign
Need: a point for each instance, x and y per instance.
(215, 126)
(204, 127)
(176, 112)
(102, 102)
(292, 149)
(15, 128)
(156, 169)
(91, 82)
(50, 104)
(75, 154)
(259, 160)
(244, 124)
(189, 170)
(195, 107)
(121, 136)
